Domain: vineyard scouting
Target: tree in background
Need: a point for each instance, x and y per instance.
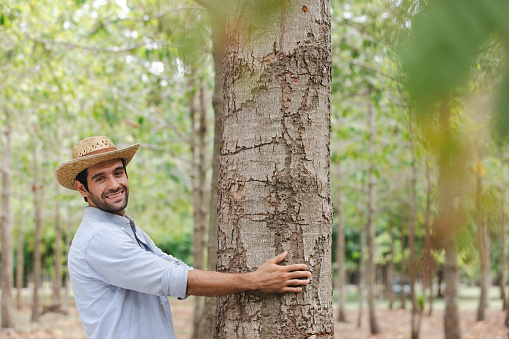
(274, 184)
(7, 307)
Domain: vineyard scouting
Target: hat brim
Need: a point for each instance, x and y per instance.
(66, 173)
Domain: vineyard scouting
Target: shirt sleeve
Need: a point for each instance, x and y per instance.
(119, 261)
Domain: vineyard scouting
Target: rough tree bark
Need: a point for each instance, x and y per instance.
(207, 318)
(274, 178)
(340, 250)
(6, 229)
(370, 281)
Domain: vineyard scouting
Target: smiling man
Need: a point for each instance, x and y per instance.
(121, 280)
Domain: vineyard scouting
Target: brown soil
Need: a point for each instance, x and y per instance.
(394, 324)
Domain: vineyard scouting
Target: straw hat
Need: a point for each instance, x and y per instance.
(89, 152)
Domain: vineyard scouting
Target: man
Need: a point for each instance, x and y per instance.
(119, 277)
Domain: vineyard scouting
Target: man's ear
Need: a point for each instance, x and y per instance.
(81, 188)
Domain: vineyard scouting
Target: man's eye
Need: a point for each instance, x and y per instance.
(99, 179)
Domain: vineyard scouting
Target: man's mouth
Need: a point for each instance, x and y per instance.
(115, 195)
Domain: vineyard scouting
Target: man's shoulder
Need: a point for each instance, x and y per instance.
(91, 228)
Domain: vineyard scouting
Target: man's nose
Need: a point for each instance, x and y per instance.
(113, 183)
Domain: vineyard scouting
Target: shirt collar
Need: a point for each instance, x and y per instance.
(111, 217)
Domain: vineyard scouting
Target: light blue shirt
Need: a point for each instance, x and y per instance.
(121, 288)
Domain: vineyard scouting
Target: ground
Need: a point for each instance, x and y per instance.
(395, 324)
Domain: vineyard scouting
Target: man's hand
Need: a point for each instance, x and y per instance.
(273, 278)
(269, 278)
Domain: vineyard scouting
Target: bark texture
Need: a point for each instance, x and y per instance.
(6, 230)
(274, 178)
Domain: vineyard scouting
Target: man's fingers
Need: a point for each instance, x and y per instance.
(297, 282)
(299, 274)
(280, 257)
(296, 267)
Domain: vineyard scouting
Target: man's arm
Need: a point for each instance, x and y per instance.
(269, 278)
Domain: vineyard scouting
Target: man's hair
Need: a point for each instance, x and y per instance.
(83, 175)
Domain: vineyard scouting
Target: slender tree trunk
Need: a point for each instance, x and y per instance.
(20, 262)
(340, 250)
(68, 238)
(37, 192)
(57, 280)
(428, 262)
(361, 285)
(447, 223)
(402, 293)
(502, 255)
(6, 229)
(482, 248)
(197, 155)
(207, 319)
(274, 178)
(451, 314)
(416, 310)
(375, 329)
(390, 267)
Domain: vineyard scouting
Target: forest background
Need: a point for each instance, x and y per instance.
(144, 72)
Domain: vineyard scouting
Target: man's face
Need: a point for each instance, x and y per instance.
(108, 187)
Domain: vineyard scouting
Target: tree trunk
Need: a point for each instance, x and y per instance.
(482, 248)
(390, 267)
(207, 318)
(362, 276)
(502, 254)
(197, 143)
(340, 250)
(416, 310)
(57, 280)
(447, 222)
(68, 237)
(428, 261)
(451, 314)
(402, 294)
(37, 192)
(6, 229)
(20, 263)
(373, 323)
(274, 178)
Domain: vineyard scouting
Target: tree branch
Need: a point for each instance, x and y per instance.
(94, 48)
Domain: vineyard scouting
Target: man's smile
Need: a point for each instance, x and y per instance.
(115, 196)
